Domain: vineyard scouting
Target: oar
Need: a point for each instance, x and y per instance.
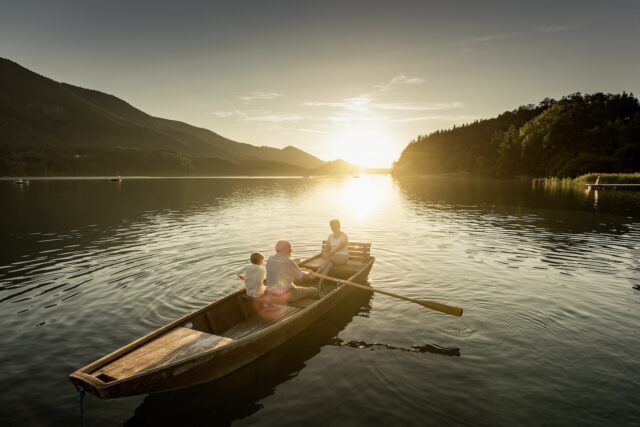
(437, 306)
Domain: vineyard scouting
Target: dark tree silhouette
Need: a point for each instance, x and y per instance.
(572, 136)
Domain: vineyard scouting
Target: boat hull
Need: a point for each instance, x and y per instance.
(214, 364)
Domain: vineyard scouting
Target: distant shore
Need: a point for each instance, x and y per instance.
(123, 177)
(589, 178)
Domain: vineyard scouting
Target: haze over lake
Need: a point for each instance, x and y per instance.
(546, 277)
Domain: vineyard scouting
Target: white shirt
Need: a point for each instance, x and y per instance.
(334, 242)
(254, 279)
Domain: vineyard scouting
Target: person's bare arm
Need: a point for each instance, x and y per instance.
(341, 245)
(296, 271)
(299, 274)
(327, 250)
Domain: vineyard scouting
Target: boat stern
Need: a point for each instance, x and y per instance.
(89, 383)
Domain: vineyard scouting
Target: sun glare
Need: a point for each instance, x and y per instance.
(366, 144)
(364, 197)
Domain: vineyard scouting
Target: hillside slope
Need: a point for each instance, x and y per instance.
(42, 120)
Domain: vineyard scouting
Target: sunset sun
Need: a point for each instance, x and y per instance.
(364, 144)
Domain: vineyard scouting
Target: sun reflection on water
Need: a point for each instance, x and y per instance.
(365, 196)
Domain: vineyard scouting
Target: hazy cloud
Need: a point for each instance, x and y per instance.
(311, 131)
(349, 118)
(260, 96)
(358, 109)
(491, 37)
(358, 103)
(258, 116)
(556, 29)
(398, 80)
(274, 118)
(435, 117)
(226, 114)
(366, 103)
(467, 44)
(423, 106)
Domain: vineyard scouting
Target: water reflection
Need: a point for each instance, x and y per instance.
(536, 204)
(606, 201)
(426, 348)
(364, 197)
(545, 279)
(514, 226)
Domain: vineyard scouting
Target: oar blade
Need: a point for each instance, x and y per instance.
(443, 308)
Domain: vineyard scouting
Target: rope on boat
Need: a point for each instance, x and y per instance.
(81, 393)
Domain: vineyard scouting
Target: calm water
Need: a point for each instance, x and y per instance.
(550, 335)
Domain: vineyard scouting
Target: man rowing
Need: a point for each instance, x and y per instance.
(282, 271)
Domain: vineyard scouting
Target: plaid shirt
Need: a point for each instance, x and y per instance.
(281, 270)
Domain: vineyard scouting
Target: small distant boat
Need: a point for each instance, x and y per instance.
(21, 181)
(356, 176)
(117, 178)
(217, 339)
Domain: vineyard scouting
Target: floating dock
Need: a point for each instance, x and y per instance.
(597, 186)
(613, 186)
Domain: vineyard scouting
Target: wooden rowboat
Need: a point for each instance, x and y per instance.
(217, 339)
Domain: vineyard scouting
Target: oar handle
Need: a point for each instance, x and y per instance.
(433, 305)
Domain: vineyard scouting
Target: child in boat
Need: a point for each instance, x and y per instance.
(253, 275)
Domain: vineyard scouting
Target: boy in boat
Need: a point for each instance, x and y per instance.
(254, 275)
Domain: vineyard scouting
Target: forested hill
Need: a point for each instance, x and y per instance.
(565, 138)
(52, 128)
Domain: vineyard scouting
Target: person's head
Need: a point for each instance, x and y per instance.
(256, 258)
(283, 247)
(335, 225)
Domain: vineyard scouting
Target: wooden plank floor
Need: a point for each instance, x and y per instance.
(175, 345)
(263, 319)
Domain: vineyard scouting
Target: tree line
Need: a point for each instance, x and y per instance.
(574, 135)
(89, 162)
(92, 162)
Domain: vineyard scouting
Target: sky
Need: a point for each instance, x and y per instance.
(356, 80)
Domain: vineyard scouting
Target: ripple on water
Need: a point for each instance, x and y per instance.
(547, 295)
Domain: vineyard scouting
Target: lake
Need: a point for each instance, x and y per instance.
(549, 279)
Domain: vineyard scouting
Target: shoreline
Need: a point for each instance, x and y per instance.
(140, 177)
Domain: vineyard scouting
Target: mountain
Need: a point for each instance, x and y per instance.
(336, 167)
(53, 128)
(568, 137)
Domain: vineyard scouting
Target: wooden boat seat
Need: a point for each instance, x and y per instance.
(175, 345)
(264, 318)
